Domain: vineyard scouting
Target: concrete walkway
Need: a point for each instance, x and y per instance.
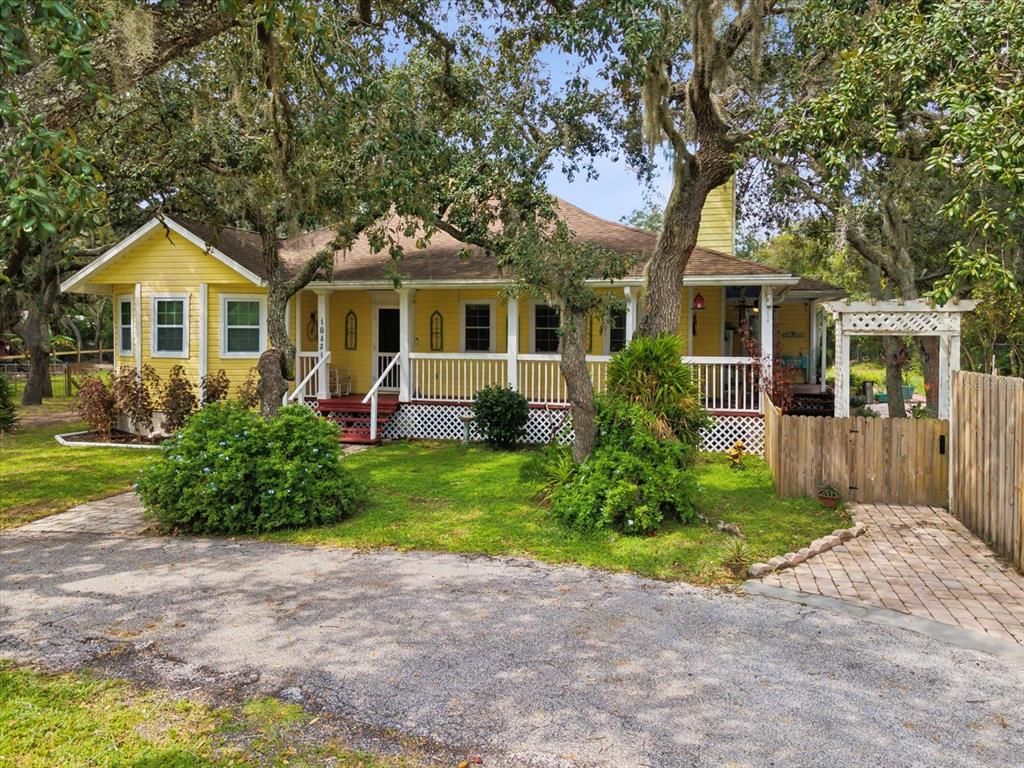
(119, 515)
(523, 663)
(921, 561)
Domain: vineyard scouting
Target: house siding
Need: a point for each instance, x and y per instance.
(717, 221)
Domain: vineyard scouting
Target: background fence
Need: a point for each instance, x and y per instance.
(987, 488)
(901, 461)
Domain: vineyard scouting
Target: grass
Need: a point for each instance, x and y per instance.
(41, 477)
(453, 498)
(876, 372)
(81, 720)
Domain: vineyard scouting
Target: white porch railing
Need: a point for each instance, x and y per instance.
(387, 361)
(311, 367)
(727, 383)
(540, 377)
(455, 377)
(373, 393)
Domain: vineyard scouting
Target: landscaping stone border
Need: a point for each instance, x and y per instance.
(66, 439)
(816, 547)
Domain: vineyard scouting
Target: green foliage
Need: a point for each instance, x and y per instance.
(248, 393)
(649, 372)
(633, 481)
(95, 402)
(134, 395)
(501, 415)
(8, 411)
(228, 471)
(177, 400)
(737, 556)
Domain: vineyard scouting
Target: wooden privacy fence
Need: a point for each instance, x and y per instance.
(987, 489)
(900, 461)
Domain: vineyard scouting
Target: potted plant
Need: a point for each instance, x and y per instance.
(828, 495)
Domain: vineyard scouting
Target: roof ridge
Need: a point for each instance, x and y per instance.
(603, 220)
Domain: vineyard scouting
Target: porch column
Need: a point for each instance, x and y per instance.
(842, 363)
(767, 331)
(813, 346)
(512, 342)
(632, 310)
(823, 335)
(405, 342)
(323, 341)
(204, 337)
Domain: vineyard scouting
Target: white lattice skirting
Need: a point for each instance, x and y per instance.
(442, 422)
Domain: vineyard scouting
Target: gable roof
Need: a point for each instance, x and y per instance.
(79, 280)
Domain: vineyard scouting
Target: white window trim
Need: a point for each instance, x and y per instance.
(184, 298)
(534, 303)
(493, 304)
(128, 299)
(224, 299)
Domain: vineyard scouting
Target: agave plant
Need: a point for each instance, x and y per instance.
(650, 372)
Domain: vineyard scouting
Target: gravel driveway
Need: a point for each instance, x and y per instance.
(525, 664)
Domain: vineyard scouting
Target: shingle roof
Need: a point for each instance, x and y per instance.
(446, 258)
(811, 285)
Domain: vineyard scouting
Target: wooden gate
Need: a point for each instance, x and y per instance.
(987, 491)
(899, 461)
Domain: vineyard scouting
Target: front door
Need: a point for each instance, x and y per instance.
(387, 346)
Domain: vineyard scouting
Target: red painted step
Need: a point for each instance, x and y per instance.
(353, 416)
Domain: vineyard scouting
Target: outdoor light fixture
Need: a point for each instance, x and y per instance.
(698, 306)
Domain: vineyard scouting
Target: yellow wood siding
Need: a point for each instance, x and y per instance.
(707, 341)
(792, 334)
(717, 221)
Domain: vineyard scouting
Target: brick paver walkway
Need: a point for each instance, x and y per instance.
(121, 514)
(918, 560)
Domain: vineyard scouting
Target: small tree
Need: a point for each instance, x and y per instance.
(178, 399)
(134, 394)
(8, 413)
(248, 391)
(215, 387)
(96, 404)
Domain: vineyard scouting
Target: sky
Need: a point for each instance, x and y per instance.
(614, 194)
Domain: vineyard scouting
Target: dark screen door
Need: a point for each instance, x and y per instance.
(387, 343)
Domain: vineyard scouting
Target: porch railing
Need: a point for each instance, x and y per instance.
(455, 378)
(540, 377)
(372, 395)
(387, 361)
(727, 383)
(311, 367)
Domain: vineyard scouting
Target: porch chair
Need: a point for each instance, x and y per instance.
(340, 381)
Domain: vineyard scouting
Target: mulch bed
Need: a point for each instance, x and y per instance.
(117, 437)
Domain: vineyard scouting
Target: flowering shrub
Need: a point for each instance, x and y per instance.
(633, 480)
(96, 404)
(229, 471)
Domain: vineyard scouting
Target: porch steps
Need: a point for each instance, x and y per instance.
(353, 417)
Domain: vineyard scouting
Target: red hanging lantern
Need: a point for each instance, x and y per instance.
(698, 302)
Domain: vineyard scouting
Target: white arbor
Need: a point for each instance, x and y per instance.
(897, 318)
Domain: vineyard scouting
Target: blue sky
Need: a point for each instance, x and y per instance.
(615, 193)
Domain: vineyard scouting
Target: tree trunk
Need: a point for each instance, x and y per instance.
(894, 360)
(34, 330)
(578, 385)
(272, 386)
(928, 349)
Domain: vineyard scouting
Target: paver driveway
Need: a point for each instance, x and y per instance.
(921, 561)
(527, 664)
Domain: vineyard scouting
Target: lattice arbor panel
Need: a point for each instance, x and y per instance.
(726, 430)
(901, 323)
(426, 421)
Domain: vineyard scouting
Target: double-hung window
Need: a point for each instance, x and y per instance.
(478, 327)
(617, 331)
(243, 327)
(125, 322)
(546, 322)
(170, 326)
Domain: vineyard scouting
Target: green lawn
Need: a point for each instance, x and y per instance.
(38, 476)
(444, 496)
(79, 720)
(876, 372)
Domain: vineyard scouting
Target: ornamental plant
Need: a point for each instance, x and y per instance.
(178, 399)
(215, 387)
(8, 413)
(501, 415)
(633, 481)
(229, 471)
(96, 404)
(134, 395)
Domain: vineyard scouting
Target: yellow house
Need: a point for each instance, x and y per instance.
(186, 294)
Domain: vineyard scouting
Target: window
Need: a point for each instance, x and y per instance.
(617, 331)
(243, 326)
(436, 332)
(546, 322)
(478, 327)
(170, 326)
(125, 322)
(351, 324)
